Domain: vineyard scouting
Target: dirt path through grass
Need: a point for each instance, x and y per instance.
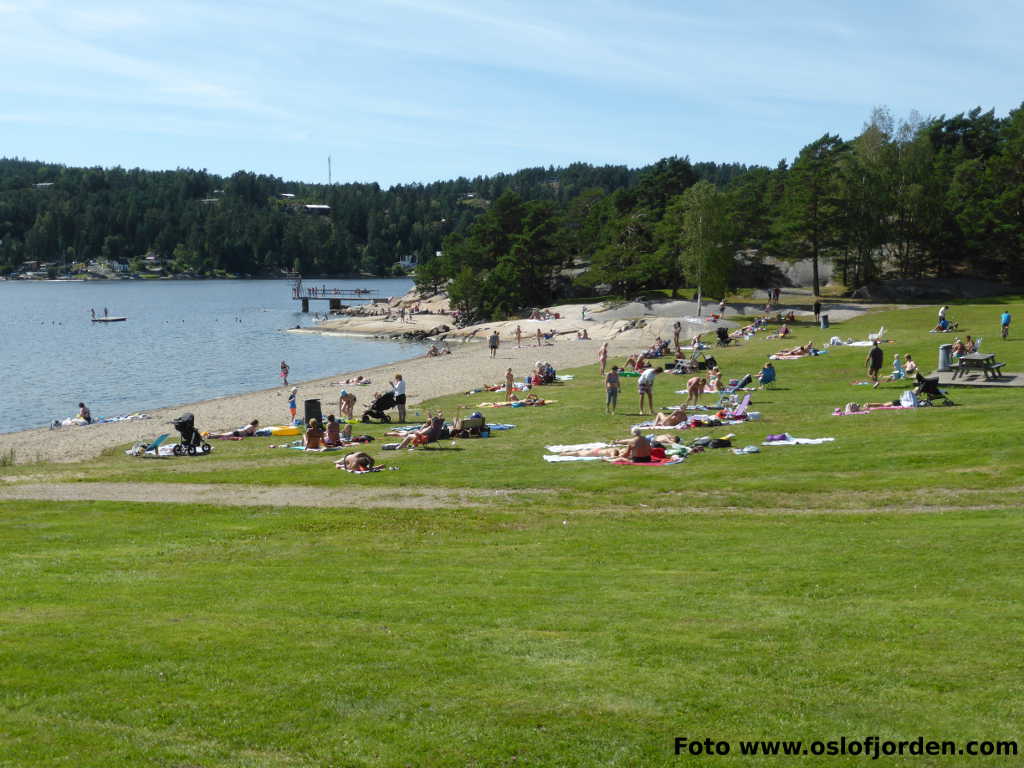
(254, 496)
(933, 501)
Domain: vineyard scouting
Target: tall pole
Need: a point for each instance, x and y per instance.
(700, 260)
(328, 170)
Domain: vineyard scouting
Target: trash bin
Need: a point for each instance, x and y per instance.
(945, 357)
(824, 321)
(311, 410)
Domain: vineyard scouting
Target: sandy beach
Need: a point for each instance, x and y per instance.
(627, 328)
(468, 367)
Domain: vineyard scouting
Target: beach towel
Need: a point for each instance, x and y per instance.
(841, 412)
(554, 457)
(662, 462)
(576, 447)
(787, 439)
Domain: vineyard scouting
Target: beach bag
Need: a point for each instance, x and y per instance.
(721, 442)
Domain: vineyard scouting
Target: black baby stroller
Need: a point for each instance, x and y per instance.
(723, 336)
(928, 390)
(379, 407)
(191, 441)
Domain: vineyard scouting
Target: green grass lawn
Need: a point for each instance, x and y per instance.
(867, 587)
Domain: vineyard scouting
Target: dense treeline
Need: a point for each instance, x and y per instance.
(936, 197)
(206, 224)
(921, 198)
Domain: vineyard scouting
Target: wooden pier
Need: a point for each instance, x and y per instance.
(337, 298)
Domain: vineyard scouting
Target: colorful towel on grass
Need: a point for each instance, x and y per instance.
(516, 404)
(664, 462)
(554, 457)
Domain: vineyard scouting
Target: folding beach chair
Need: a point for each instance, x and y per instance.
(143, 449)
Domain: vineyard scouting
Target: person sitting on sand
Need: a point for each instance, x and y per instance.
(84, 413)
(355, 462)
(638, 449)
(313, 440)
(433, 351)
(249, 430)
(670, 419)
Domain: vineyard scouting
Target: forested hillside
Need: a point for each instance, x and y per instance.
(922, 197)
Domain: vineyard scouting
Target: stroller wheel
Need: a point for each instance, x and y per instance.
(385, 419)
(947, 402)
(205, 448)
(366, 418)
(178, 450)
(191, 450)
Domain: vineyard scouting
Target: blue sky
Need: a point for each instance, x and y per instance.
(399, 91)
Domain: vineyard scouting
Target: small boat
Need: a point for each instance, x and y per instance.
(109, 319)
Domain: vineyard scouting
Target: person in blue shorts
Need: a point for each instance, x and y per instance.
(1004, 323)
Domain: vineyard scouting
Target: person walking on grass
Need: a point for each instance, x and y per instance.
(293, 405)
(874, 361)
(611, 390)
(492, 343)
(510, 384)
(1004, 323)
(645, 387)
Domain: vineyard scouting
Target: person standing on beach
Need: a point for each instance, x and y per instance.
(284, 372)
(874, 360)
(398, 388)
(346, 404)
(519, 337)
(492, 342)
(293, 406)
(677, 328)
(540, 338)
(611, 390)
(510, 384)
(602, 356)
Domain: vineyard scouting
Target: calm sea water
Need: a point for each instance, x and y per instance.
(183, 341)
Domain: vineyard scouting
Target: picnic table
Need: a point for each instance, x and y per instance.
(985, 362)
